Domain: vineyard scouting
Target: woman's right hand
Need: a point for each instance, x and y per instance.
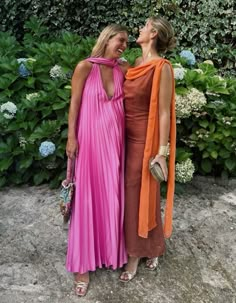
(71, 148)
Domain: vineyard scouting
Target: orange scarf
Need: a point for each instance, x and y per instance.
(147, 206)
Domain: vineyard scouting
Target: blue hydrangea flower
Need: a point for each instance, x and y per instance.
(22, 70)
(189, 56)
(47, 148)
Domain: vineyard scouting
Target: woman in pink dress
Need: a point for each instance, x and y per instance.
(96, 140)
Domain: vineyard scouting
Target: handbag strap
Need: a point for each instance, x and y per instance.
(70, 171)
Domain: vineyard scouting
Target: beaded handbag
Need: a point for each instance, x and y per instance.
(67, 191)
(156, 171)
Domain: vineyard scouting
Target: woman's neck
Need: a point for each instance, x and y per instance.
(148, 53)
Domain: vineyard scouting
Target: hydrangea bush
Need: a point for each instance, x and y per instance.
(34, 101)
(206, 116)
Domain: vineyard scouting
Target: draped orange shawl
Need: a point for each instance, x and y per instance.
(148, 194)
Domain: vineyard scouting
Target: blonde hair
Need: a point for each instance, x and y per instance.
(108, 32)
(165, 37)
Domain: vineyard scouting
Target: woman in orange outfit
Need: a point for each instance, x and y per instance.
(150, 125)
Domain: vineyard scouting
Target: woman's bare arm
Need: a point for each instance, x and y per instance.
(80, 75)
(165, 95)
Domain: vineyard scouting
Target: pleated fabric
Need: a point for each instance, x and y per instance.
(96, 236)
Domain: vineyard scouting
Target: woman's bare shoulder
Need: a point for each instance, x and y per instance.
(123, 65)
(138, 61)
(166, 69)
(83, 68)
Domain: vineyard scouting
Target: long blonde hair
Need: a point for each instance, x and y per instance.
(107, 33)
(165, 38)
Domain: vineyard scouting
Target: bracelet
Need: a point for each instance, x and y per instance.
(163, 150)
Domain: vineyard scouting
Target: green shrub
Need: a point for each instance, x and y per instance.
(34, 101)
(41, 97)
(208, 28)
(207, 130)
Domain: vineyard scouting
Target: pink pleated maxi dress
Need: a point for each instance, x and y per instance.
(96, 236)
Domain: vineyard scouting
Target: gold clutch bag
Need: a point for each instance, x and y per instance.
(156, 171)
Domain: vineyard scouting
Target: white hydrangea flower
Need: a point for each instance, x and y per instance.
(22, 142)
(179, 73)
(8, 109)
(217, 102)
(32, 96)
(202, 133)
(198, 70)
(190, 104)
(51, 165)
(227, 120)
(184, 171)
(222, 80)
(208, 62)
(197, 98)
(182, 106)
(56, 72)
(188, 142)
(212, 94)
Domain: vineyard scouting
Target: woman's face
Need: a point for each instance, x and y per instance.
(116, 45)
(145, 33)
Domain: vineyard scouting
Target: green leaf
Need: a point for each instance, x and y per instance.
(63, 94)
(201, 146)
(203, 123)
(59, 105)
(182, 154)
(206, 165)
(230, 164)
(31, 82)
(40, 177)
(226, 132)
(25, 163)
(3, 181)
(212, 127)
(214, 154)
(4, 148)
(5, 163)
(223, 153)
(180, 90)
(54, 183)
(205, 154)
(15, 178)
(64, 133)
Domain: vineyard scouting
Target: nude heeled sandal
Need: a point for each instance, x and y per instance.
(151, 263)
(127, 275)
(81, 288)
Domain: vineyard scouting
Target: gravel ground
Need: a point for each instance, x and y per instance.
(199, 265)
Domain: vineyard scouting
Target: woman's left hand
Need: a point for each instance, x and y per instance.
(162, 161)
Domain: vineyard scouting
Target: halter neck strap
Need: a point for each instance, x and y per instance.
(105, 61)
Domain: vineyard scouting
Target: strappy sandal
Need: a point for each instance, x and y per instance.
(127, 276)
(81, 288)
(152, 263)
